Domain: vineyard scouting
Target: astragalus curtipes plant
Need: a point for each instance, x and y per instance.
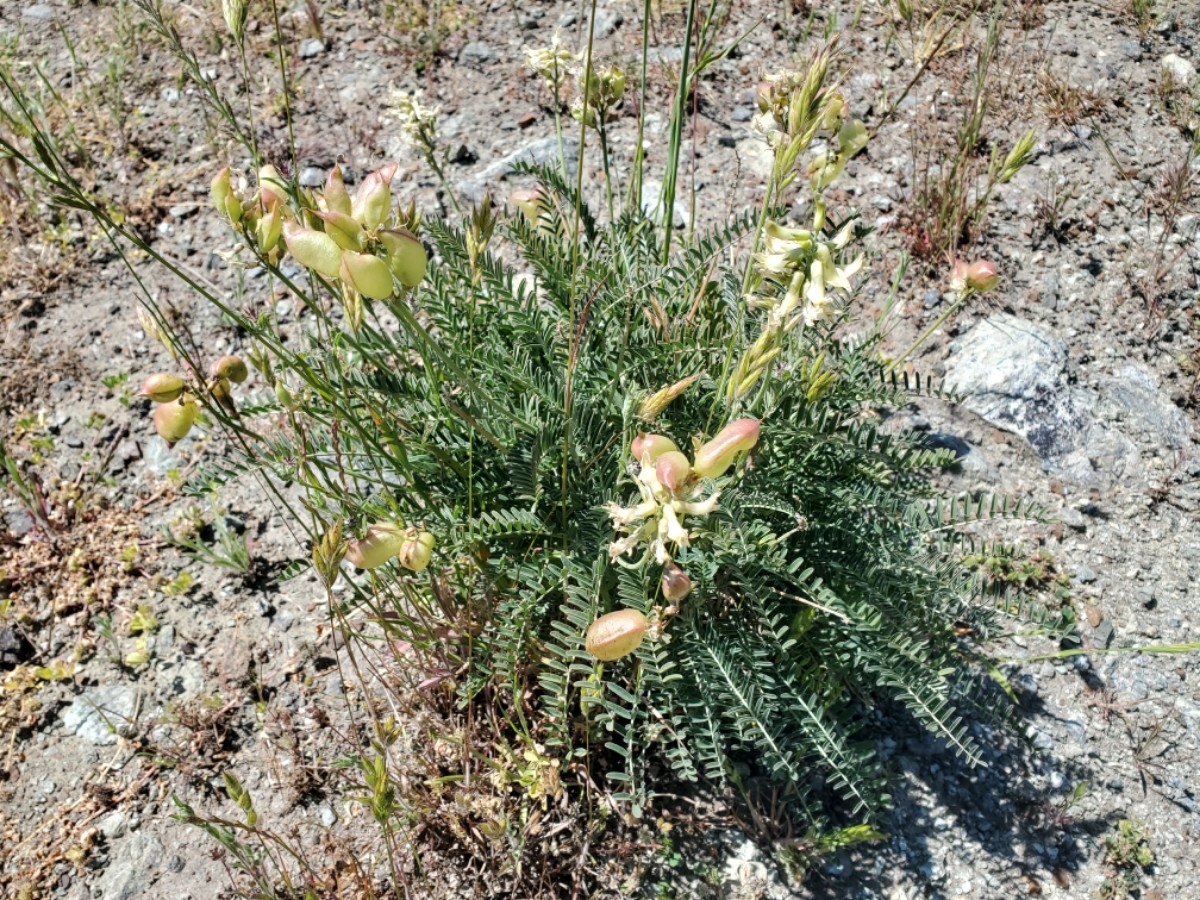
(640, 506)
(633, 498)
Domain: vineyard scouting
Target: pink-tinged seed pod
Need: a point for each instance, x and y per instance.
(373, 199)
(529, 203)
(162, 388)
(718, 454)
(367, 274)
(982, 275)
(763, 95)
(174, 420)
(231, 367)
(616, 634)
(224, 199)
(675, 583)
(271, 189)
(416, 551)
(313, 249)
(337, 200)
(958, 276)
(344, 229)
(405, 255)
(672, 469)
(653, 444)
(382, 541)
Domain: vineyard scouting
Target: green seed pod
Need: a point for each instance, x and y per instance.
(231, 367)
(373, 199)
(162, 388)
(382, 541)
(174, 420)
(313, 249)
(345, 231)
(672, 469)
(416, 550)
(224, 199)
(616, 634)
(369, 275)
(336, 198)
(715, 457)
(675, 583)
(405, 255)
(653, 444)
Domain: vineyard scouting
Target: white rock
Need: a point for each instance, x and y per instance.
(1181, 71)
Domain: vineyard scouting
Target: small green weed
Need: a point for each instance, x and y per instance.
(1128, 855)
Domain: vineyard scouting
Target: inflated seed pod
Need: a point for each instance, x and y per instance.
(675, 583)
(174, 420)
(718, 454)
(672, 469)
(162, 388)
(616, 634)
(313, 249)
(416, 551)
(231, 367)
(406, 255)
(654, 444)
(367, 274)
(382, 541)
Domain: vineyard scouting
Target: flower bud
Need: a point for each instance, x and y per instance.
(672, 469)
(405, 255)
(616, 634)
(336, 198)
(313, 249)
(416, 550)
(646, 448)
(367, 274)
(373, 199)
(162, 388)
(284, 395)
(344, 229)
(224, 198)
(982, 275)
(231, 367)
(718, 454)
(763, 95)
(382, 541)
(675, 583)
(174, 420)
(614, 83)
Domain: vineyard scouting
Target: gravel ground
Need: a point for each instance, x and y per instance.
(1077, 379)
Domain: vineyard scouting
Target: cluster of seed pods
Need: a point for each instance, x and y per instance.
(176, 398)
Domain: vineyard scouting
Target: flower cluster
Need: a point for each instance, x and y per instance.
(552, 63)
(599, 94)
(670, 486)
(338, 236)
(176, 399)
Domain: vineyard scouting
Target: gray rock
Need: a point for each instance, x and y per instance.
(1182, 72)
(1085, 574)
(672, 55)
(477, 53)
(182, 210)
(607, 21)
(742, 114)
(113, 825)
(1136, 393)
(40, 12)
(96, 715)
(1131, 49)
(652, 204)
(1013, 374)
(543, 152)
(132, 868)
(328, 816)
(312, 177)
(311, 47)
(18, 522)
